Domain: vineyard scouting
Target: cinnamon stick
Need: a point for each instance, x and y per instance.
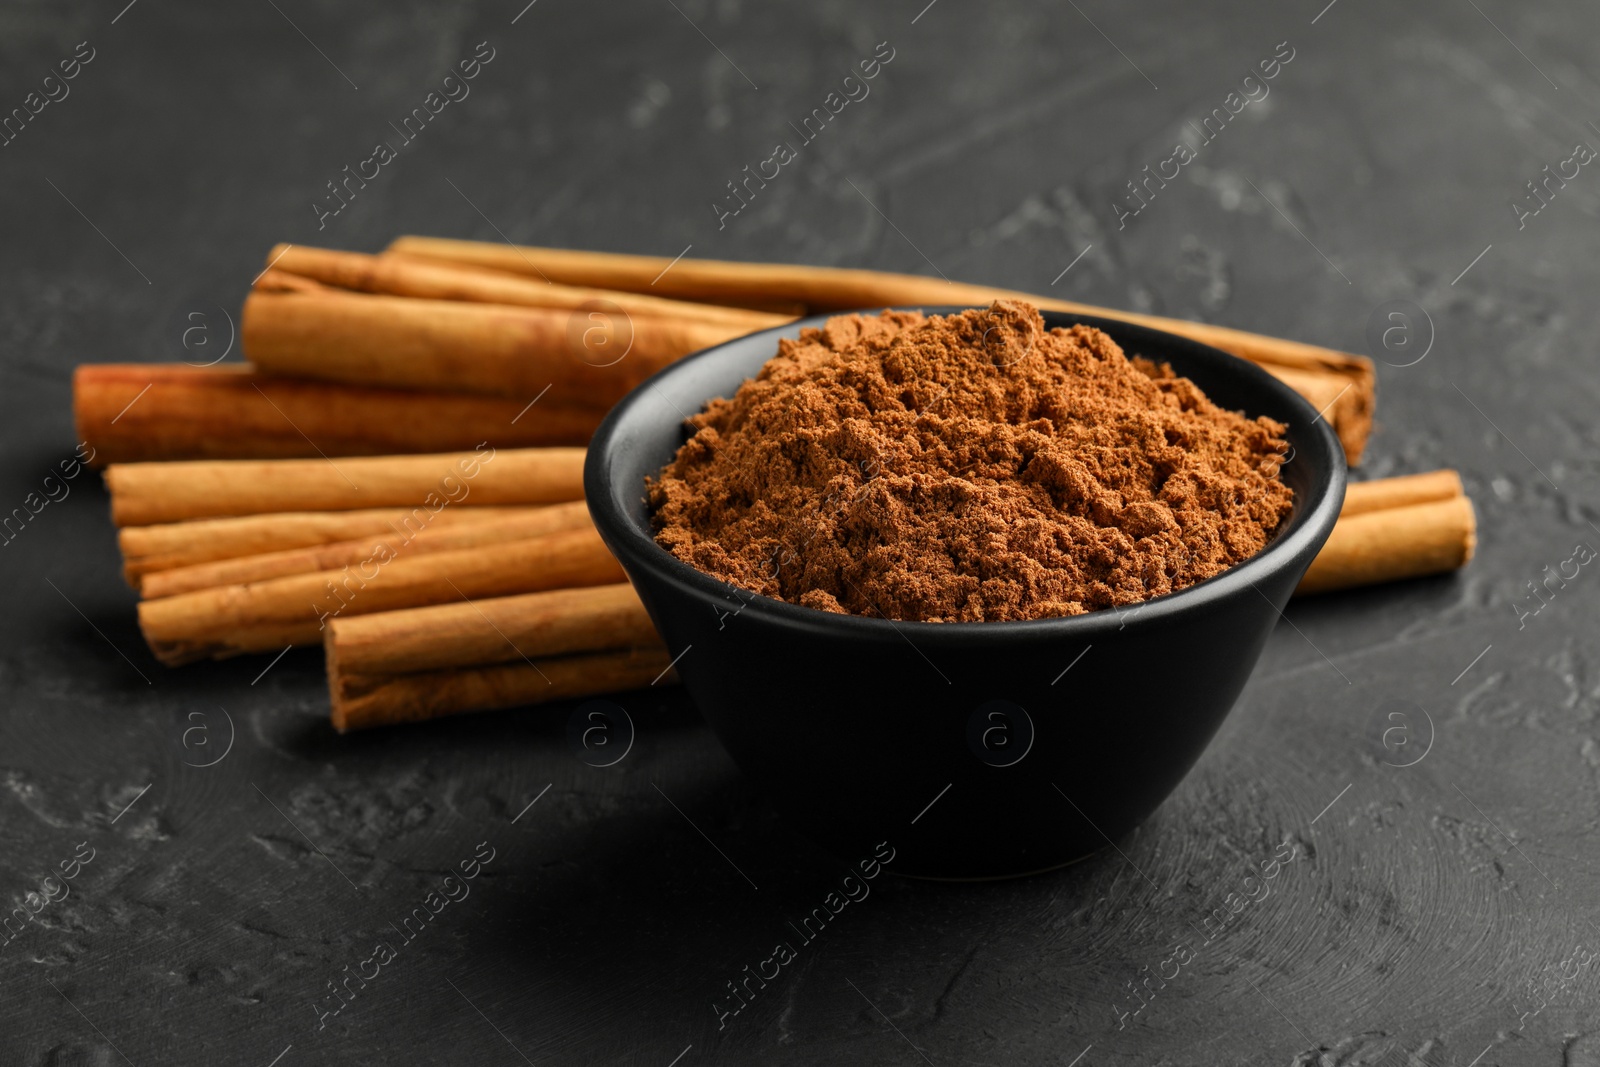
(399, 275)
(270, 615)
(609, 270)
(281, 281)
(137, 412)
(1392, 543)
(1334, 397)
(502, 630)
(378, 700)
(823, 289)
(399, 539)
(1381, 493)
(497, 349)
(146, 493)
(147, 549)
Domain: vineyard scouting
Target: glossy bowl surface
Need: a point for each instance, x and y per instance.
(976, 750)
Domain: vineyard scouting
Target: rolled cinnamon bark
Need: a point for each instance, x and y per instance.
(281, 281)
(631, 273)
(400, 275)
(270, 615)
(147, 549)
(497, 349)
(837, 289)
(502, 630)
(1392, 543)
(146, 493)
(1337, 401)
(401, 539)
(1382, 493)
(363, 701)
(137, 412)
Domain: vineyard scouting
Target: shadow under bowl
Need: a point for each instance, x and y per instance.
(975, 750)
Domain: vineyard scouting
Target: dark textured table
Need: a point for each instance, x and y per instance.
(1415, 765)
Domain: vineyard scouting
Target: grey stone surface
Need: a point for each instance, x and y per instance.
(1439, 913)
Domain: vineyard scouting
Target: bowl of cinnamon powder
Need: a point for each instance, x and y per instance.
(981, 583)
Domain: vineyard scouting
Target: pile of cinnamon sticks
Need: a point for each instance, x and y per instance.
(437, 544)
(493, 589)
(436, 345)
(437, 583)
(1394, 528)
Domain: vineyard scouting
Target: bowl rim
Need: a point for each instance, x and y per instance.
(1303, 535)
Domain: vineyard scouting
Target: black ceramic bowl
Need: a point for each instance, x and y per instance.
(973, 749)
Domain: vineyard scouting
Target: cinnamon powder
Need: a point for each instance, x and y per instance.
(968, 468)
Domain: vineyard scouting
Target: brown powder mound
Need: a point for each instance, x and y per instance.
(967, 468)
